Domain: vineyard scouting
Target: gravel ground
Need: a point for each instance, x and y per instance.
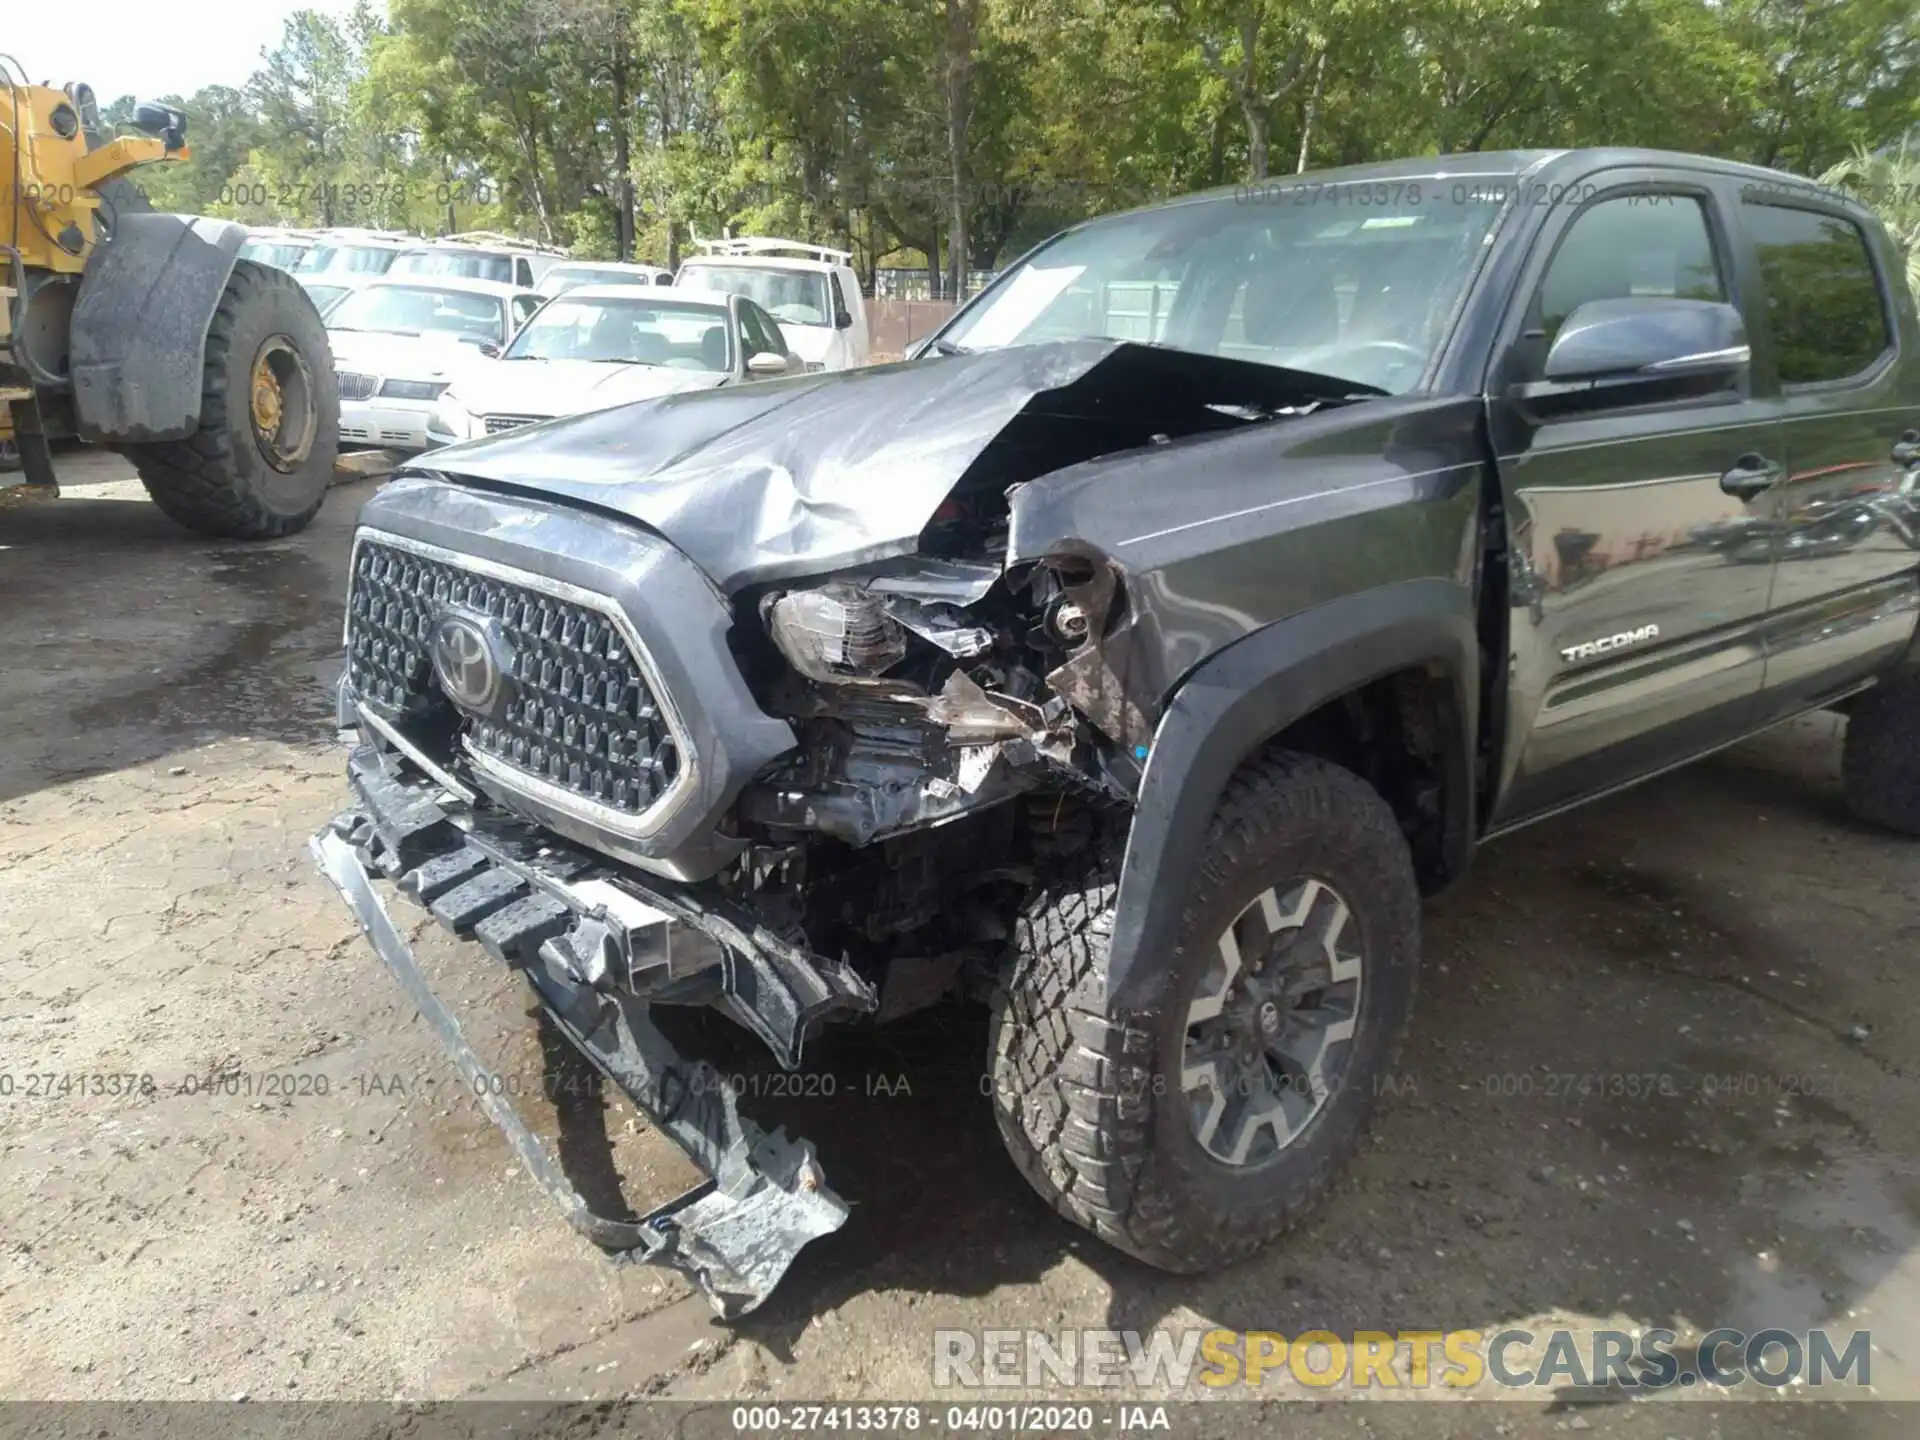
(1663, 1074)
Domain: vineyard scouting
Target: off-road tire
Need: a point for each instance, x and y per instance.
(1880, 766)
(218, 481)
(1089, 1102)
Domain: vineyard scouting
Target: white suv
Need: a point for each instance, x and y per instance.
(811, 290)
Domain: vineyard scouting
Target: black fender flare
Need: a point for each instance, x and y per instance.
(139, 331)
(1244, 695)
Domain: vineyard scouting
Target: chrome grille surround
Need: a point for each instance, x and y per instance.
(617, 758)
(355, 385)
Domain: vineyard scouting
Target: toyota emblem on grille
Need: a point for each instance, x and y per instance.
(468, 662)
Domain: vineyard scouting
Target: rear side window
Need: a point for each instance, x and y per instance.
(762, 334)
(1634, 245)
(1823, 298)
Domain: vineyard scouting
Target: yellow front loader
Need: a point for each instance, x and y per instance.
(146, 332)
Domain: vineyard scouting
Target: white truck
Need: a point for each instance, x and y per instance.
(810, 289)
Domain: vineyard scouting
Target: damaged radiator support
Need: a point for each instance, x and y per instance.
(592, 951)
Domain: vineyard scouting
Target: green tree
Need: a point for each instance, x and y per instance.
(303, 96)
(1888, 180)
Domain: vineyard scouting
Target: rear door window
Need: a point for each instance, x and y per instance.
(1824, 302)
(762, 334)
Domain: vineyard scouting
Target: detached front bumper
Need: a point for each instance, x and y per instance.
(596, 946)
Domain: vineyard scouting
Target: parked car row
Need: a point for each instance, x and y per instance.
(437, 341)
(399, 341)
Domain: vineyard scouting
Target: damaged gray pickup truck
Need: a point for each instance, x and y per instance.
(1136, 657)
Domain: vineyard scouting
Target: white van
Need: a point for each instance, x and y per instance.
(811, 290)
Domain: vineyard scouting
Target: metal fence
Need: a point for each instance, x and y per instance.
(896, 324)
(893, 283)
(1138, 309)
(1134, 310)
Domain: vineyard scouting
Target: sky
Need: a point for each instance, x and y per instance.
(147, 48)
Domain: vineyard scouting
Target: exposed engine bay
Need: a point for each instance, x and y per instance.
(919, 718)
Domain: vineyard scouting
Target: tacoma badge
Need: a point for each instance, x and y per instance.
(1610, 642)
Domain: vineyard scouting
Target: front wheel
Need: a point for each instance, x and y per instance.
(1880, 765)
(1194, 1132)
(260, 463)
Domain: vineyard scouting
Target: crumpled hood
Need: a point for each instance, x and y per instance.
(801, 476)
(568, 387)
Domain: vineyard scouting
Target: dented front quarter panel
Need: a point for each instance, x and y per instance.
(1217, 536)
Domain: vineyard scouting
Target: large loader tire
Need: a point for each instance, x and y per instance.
(260, 463)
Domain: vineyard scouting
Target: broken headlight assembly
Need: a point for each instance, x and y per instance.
(836, 633)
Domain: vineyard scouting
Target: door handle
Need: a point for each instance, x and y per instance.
(1906, 450)
(1750, 474)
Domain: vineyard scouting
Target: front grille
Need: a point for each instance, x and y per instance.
(577, 711)
(355, 386)
(413, 389)
(497, 424)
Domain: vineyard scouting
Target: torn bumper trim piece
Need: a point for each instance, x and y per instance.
(735, 1235)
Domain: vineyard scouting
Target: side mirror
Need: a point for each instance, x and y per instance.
(842, 320)
(162, 120)
(490, 350)
(1637, 350)
(766, 363)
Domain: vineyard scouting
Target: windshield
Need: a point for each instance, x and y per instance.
(680, 335)
(281, 254)
(467, 264)
(420, 310)
(325, 295)
(347, 260)
(794, 297)
(1358, 282)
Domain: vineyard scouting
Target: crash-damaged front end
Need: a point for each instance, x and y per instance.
(762, 702)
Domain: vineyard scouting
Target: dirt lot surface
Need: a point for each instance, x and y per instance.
(1664, 1073)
